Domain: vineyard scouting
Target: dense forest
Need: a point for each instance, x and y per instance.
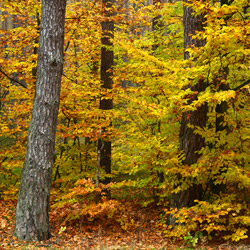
(124, 116)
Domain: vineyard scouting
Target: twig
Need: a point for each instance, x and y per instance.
(12, 79)
(242, 85)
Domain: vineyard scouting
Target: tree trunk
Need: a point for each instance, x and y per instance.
(220, 125)
(191, 142)
(32, 213)
(157, 28)
(157, 25)
(107, 61)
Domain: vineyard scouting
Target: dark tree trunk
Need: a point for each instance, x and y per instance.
(32, 213)
(107, 61)
(157, 25)
(220, 125)
(191, 142)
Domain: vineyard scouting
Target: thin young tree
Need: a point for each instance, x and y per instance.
(32, 213)
(107, 61)
(221, 125)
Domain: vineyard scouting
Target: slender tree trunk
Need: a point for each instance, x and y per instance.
(32, 213)
(157, 27)
(191, 142)
(107, 61)
(220, 125)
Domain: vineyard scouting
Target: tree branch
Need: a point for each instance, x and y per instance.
(12, 79)
(242, 85)
(75, 81)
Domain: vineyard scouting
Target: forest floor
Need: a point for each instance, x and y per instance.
(85, 235)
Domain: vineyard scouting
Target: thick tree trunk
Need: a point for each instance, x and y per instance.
(32, 218)
(107, 61)
(191, 142)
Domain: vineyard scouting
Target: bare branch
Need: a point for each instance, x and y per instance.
(242, 85)
(12, 79)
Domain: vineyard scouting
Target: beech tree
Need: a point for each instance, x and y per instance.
(107, 61)
(32, 218)
(190, 141)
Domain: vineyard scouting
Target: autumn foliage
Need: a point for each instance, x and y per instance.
(151, 89)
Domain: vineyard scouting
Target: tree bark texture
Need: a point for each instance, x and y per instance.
(191, 142)
(107, 62)
(32, 213)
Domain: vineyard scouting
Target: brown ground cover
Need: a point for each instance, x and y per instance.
(78, 234)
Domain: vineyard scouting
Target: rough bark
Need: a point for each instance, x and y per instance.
(190, 142)
(107, 61)
(32, 213)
